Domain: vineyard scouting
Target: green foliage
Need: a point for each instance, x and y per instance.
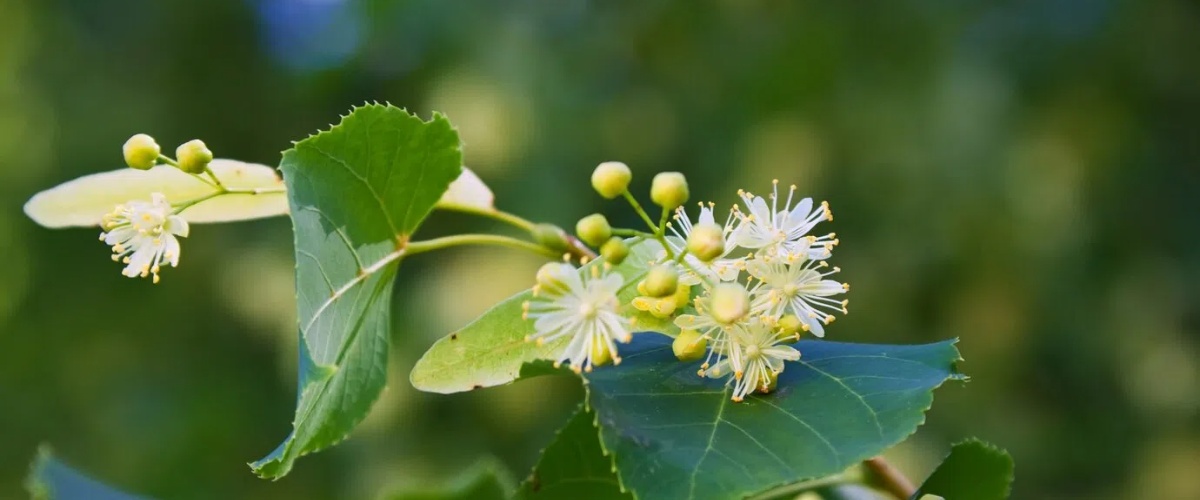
(492, 349)
(487, 480)
(356, 194)
(574, 466)
(50, 479)
(84, 201)
(974, 470)
(676, 435)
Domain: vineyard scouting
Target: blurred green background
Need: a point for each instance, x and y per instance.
(1023, 175)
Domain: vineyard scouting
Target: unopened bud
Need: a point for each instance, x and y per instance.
(789, 324)
(689, 345)
(593, 230)
(611, 178)
(661, 281)
(193, 156)
(669, 190)
(706, 242)
(729, 303)
(614, 250)
(141, 152)
(600, 354)
(553, 276)
(550, 236)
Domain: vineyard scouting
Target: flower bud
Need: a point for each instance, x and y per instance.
(611, 178)
(193, 156)
(600, 354)
(661, 281)
(706, 242)
(772, 382)
(593, 230)
(689, 345)
(789, 324)
(141, 152)
(550, 236)
(729, 303)
(552, 276)
(614, 250)
(669, 190)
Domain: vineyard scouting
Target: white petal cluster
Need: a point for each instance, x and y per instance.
(583, 308)
(786, 273)
(143, 235)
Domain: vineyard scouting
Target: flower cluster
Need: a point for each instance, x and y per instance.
(741, 292)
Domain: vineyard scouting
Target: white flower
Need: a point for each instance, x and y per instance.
(720, 268)
(709, 324)
(784, 233)
(761, 353)
(584, 308)
(799, 287)
(142, 235)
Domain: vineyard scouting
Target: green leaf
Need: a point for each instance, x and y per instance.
(50, 479)
(356, 194)
(492, 349)
(974, 470)
(487, 480)
(574, 466)
(84, 201)
(676, 435)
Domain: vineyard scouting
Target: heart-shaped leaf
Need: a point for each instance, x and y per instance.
(492, 349)
(574, 466)
(356, 193)
(974, 470)
(84, 201)
(676, 435)
(50, 479)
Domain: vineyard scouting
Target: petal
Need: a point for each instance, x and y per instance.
(782, 352)
(823, 288)
(177, 225)
(801, 211)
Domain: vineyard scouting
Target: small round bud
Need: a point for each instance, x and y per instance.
(552, 276)
(600, 354)
(729, 303)
(706, 242)
(669, 190)
(689, 345)
(611, 178)
(614, 250)
(593, 230)
(772, 382)
(141, 152)
(661, 281)
(790, 324)
(550, 236)
(193, 156)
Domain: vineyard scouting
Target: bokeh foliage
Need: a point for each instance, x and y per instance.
(1022, 176)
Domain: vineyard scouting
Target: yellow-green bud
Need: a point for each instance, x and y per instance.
(550, 236)
(193, 156)
(593, 230)
(789, 324)
(600, 354)
(141, 152)
(669, 190)
(611, 178)
(729, 303)
(689, 345)
(772, 382)
(552, 276)
(661, 281)
(614, 250)
(706, 242)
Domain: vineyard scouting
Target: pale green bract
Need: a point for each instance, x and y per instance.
(84, 201)
(356, 194)
(51, 479)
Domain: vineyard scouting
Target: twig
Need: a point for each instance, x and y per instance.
(883, 475)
